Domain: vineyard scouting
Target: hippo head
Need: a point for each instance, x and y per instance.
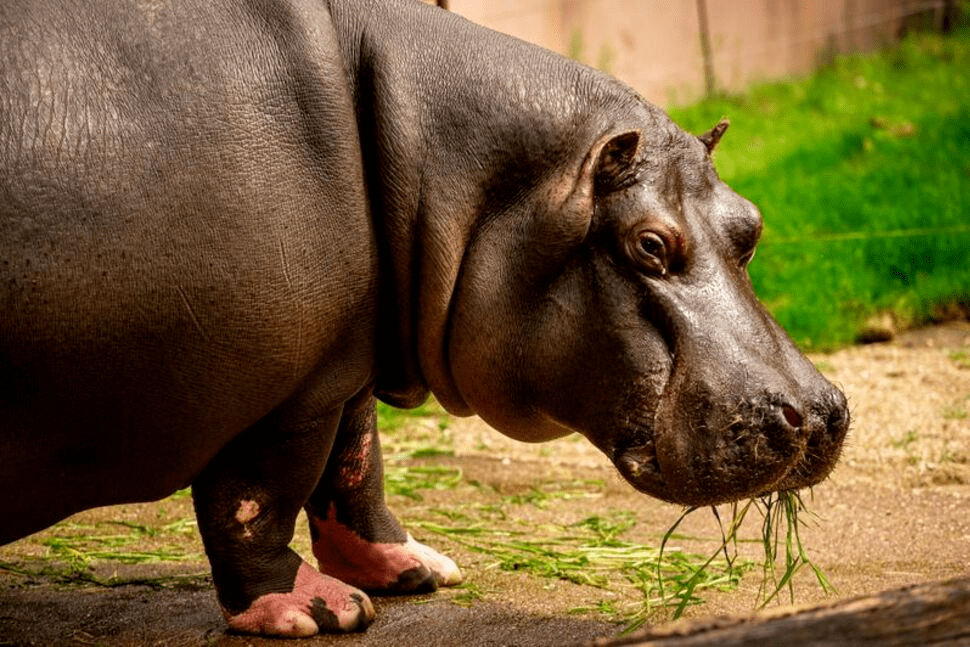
(614, 301)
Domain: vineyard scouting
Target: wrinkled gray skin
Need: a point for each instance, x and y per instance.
(224, 225)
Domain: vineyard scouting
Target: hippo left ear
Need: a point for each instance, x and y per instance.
(610, 164)
(713, 136)
(616, 162)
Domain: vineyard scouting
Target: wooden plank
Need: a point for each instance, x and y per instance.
(936, 614)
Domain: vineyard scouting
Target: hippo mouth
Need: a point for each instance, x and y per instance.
(641, 468)
(754, 454)
(734, 472)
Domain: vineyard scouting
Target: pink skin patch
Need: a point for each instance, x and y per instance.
(289, 614)
(341, 553)
(248, 510)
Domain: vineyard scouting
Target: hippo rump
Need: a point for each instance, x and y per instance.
(228, 227)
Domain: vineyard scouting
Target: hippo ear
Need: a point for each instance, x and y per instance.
(713, 136)
(610, 164)
(616, 162)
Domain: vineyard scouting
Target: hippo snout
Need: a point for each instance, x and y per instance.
(713, 453)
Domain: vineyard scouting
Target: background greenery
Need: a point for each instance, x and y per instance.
(862, 173)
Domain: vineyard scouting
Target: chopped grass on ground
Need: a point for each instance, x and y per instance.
(427, 437)
(592, 553)
(961, 358)
(79, 545)
(404, 480)
(72, 550)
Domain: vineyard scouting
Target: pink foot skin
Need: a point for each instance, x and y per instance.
(316, 604)
(389, 568)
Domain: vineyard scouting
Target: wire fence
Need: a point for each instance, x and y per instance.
(870, 235)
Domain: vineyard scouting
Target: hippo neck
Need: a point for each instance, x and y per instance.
(456, 122)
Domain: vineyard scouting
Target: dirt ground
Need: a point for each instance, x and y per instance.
(896, 511)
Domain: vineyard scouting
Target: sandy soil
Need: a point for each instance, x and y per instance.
(895, 511)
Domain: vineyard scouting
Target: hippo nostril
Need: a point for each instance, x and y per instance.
(792, 417)
(838, 418)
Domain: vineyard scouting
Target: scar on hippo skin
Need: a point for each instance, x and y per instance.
(395, 568)
(248, 510)
(318, 603)
(354, 462)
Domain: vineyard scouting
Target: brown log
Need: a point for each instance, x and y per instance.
(935, 614)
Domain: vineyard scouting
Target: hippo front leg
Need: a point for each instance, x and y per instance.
(247, 500)
(355, 537)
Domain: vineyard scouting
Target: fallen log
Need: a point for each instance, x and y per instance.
(935, 614)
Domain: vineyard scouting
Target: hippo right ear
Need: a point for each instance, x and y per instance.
(616, 163)
(713, 136)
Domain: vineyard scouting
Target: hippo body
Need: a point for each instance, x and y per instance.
(227, 228)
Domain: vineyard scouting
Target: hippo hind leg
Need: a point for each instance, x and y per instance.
(356, 539)
(247, 500)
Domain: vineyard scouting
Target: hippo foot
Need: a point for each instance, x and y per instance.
(317, 604)
(381, 568)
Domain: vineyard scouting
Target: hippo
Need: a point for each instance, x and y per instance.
(229, 227)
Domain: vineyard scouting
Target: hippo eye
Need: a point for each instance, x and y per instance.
(650, 252)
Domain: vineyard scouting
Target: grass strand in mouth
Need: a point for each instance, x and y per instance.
(780, 540)
(780, 526)
(683, 593)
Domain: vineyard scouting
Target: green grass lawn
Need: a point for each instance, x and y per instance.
(862, 173)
